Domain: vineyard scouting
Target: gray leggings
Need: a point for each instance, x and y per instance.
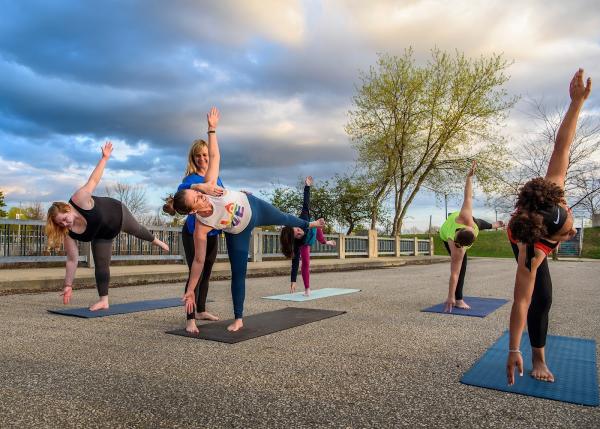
(102, 249)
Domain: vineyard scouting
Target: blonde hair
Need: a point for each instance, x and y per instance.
(56, 234)
(197, 146)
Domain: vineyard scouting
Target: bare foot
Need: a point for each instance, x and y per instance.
(100, 305)
(161, 244)
(462, 304)
(236, 326)
(205, 315)
(306, 292)
(540, 371)
(190, 326)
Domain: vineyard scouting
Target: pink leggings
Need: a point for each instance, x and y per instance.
(305, 257)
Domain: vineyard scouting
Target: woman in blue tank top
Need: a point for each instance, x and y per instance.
(235, 213)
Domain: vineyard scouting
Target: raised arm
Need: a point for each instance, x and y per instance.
(214, 156)
(524, 284)
(305, 213)
(466, 211)
(83, 195)
(200, 233)
(559, 161)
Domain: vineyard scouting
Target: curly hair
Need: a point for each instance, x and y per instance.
(527, 223)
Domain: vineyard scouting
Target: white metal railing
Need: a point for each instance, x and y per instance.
(25, 241)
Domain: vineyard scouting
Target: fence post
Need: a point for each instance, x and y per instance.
(397, 246)
(416, 246)
(87, 251)
(182, 249)
(341, 245)
(431, 246)
(256, 245)
(373, 246)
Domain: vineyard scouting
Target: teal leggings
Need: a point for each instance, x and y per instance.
(263, 214)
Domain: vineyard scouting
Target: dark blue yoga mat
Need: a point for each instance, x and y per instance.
(571, 360)
(480, 307)
(128, 307)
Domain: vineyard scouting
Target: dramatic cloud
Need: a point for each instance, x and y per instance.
(283, 73)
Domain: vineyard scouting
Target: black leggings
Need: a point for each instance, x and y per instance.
(541, 301)
(458, 294)
(102, 249)
(212, 246)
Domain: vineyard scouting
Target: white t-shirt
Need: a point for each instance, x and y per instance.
(231, 212)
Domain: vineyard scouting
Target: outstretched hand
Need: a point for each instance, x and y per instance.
(107, 150)
(472, 169)
(450, 302)
(308, 181)
(189, 299)
(577, 90)
(66, 294)
(515, 360)
(212, 118)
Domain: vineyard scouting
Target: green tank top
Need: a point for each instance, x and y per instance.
(448, 229)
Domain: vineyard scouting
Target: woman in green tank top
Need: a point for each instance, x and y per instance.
(458, 233)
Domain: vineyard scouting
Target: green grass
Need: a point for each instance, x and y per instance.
(493, 244)
(591, 243)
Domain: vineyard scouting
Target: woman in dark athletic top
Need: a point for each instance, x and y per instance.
(540, 222)
(198, 160)
(296, 242)
(97, 219)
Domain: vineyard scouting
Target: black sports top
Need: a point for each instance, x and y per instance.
(544, 245)
(104, 220)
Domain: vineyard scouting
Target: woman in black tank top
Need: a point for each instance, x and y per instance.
(540, 222)
(97, 219)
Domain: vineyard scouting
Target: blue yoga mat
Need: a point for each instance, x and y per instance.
(480, 307)
(129, 307)
(571, 360)
(314, 294)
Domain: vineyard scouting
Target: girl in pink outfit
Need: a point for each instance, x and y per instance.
(296, 242)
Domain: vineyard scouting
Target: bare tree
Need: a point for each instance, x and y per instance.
(133, 196)
(587, 194)
(35, 211)
(530, 159)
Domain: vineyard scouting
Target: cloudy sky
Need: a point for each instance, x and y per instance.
(283, 73)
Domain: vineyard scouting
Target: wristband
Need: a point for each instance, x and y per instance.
(211, 131)
(515, 351)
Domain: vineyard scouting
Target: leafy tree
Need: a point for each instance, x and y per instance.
(353, 201)
(418, 125)
(2, 204)
(17, 212)
(345, 201)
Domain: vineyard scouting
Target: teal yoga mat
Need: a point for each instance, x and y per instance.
(314, 294)
(571, 360)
